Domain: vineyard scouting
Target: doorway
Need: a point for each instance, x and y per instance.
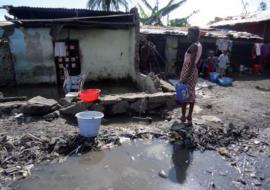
(66, 55)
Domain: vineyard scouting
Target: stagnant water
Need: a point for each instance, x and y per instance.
(134, 166)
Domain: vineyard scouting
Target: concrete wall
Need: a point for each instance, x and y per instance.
(106, 54)
(6, 65)
(33, 56)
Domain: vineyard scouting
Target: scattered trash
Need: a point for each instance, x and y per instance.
(163, 174)
(224, 152)
(257, 182)
(123, 140)
(211, 118)
(242, 181)
(223, 173)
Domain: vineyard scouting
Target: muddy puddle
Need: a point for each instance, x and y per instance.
(134, 166)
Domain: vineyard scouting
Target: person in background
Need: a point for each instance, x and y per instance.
(189, 72)
(210, 64)
(223, 62)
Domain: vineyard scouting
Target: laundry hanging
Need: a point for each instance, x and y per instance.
(60, 49)
(258, 47)
(224, 44)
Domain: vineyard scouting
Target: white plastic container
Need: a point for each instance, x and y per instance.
(89, 123)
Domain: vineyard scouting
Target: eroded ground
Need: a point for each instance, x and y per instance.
(232, 121)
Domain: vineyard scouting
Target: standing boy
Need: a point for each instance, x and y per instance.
(223, 62)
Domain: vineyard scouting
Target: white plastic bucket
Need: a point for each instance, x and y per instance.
(89, 123)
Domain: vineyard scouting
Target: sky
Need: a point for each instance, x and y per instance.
(208, 9)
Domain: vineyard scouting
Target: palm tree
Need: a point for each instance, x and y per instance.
(107, 5)
(182, 21)
(262, 6)
(156, 13)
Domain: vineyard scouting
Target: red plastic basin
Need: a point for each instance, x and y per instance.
(256, 69)
(89, 95)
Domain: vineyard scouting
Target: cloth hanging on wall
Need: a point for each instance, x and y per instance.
(224, 44)
(258, 47)
(60, 49)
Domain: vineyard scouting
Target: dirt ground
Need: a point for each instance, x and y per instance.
(246, 103)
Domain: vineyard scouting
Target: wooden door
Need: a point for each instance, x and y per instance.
(69, 58)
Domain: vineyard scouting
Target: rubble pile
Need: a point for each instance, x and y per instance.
(205, 137)
(18, 154)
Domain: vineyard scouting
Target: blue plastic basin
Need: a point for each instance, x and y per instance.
(214, 76)
(225, 81)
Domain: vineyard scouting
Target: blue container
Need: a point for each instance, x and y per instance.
(89, 123)
(225, 81)
(181, 92)
(214, 76)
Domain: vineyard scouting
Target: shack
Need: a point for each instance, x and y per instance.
(256, 23)
(162, 49)
(44, 41)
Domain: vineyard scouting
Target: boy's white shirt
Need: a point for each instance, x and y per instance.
(223, 60)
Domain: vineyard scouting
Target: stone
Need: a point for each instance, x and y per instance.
(7, 107)
(257, 182)
(139, 106)
(148, 83)
(120, 107)
(74, 108)
(132, 97)
(256, 142)
(40, 106)
(110, 99)
(163, 174)
(65, 102)
(166, 87)
(211, 118)
(171, 102)
(15, 111)
(97, 107)
(237, 184)
(43, 101)
(197, 109)
(52, 116)
(12, 99)
(156, 100)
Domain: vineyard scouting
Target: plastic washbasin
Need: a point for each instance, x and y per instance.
(214, 76)
(89, 95)
(225, 81)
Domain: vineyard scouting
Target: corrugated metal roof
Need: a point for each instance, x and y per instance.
(5, 23)
(205, 32)
(146, 29)
(23, 12)
(44, 17)
(259, 16)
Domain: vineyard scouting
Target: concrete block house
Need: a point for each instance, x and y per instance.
(42, 41)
